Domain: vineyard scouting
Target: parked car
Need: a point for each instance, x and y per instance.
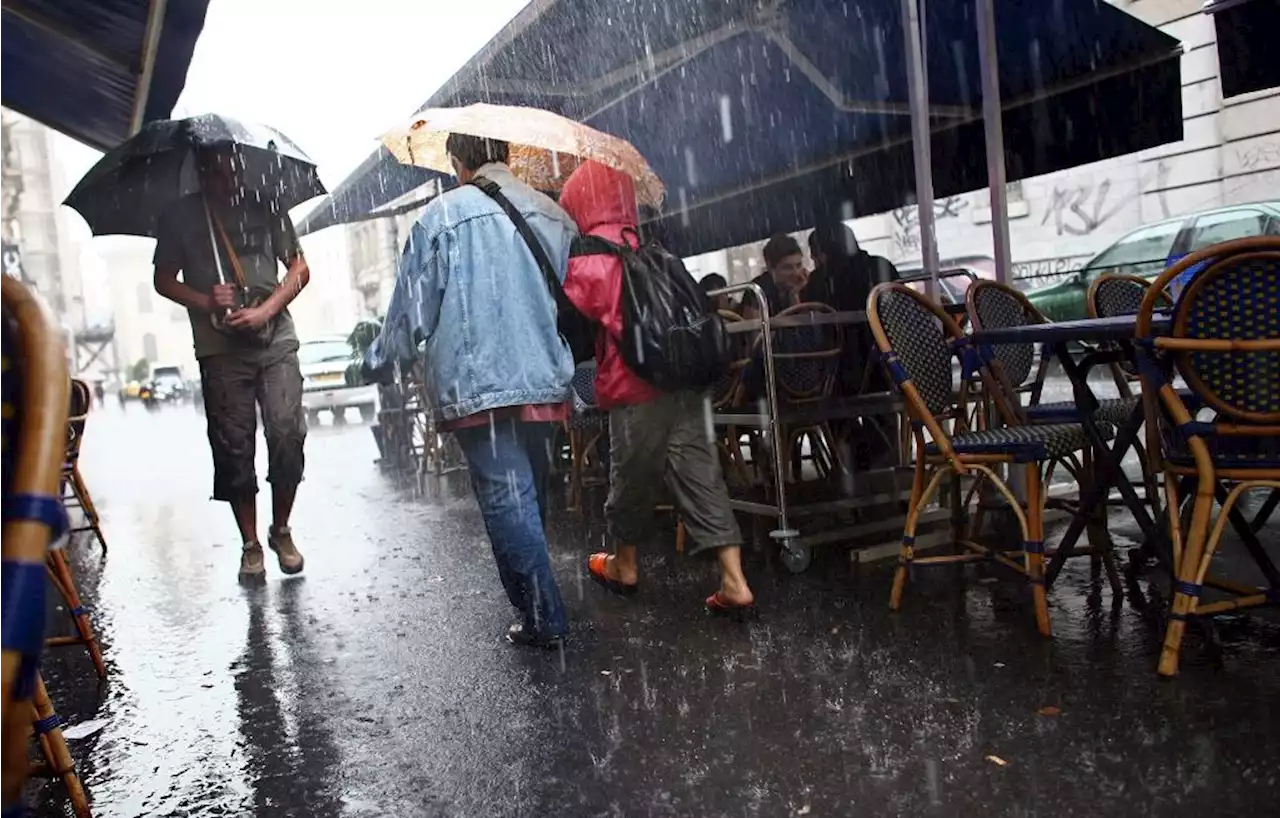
(954, 275)
(1149, 250)
(325, 384)
(167, 385)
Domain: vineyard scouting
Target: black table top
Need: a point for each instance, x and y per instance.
(1116, 328)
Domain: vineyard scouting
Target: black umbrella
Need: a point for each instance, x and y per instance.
(128, 190)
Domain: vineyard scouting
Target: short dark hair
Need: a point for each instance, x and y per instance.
(474, 151)
(833, 238)
(780, 246)
(713, 281)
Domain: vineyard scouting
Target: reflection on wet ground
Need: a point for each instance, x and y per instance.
(377, 684)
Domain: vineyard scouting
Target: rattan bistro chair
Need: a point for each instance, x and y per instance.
(1111, 295)
(1225, 344)
(586, 426)
(35, 392)
(917, 340)
(806, 362)
(726, 395)
(75, 494)
(994, 305)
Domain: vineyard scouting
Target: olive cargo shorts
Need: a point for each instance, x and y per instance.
(234, 387)
(667, 441)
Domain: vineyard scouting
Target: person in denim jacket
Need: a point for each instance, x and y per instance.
(496, 370)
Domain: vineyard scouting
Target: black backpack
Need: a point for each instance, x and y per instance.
(670, 335)
(578, 332)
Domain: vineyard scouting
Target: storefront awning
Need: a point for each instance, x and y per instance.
(765, 116)
(1246, 32)
(95, 70)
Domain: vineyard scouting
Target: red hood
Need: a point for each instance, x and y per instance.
(597, 195)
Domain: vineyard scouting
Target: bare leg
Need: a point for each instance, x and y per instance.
(245, 510)
(282, 505)
(733, 583)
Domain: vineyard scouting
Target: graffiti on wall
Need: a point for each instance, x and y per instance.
(1259, 157)
(906, 223)
(1045, 271)
(1078, 210)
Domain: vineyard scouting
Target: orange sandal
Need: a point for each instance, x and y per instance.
(596, 570)
(719, 606)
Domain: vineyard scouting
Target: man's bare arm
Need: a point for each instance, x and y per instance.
(167, 284)
(297, 278)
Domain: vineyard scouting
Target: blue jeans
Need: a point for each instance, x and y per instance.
(509, 462)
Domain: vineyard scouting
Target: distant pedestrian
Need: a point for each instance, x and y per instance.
(655, 437)
(100, 393)
(248, 353)
(497, 372)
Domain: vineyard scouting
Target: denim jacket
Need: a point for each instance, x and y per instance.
(470, 289)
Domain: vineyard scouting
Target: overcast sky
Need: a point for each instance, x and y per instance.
(332, 76)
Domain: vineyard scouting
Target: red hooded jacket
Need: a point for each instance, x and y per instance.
(603, 203)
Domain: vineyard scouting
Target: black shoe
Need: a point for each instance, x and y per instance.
(517, 635)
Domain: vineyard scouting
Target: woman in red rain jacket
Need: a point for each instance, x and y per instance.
(655, 436)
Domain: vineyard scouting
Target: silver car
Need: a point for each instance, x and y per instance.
(324, 364)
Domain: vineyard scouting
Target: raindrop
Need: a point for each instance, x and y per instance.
(726, 119)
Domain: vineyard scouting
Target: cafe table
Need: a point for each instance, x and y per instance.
(1070, 343)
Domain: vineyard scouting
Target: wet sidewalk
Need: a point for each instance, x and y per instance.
(377, 684)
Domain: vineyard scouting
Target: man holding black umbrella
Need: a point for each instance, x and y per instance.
(226, 242)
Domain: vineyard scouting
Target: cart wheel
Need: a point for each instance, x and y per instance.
(796, 558)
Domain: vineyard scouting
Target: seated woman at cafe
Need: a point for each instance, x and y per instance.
(712, 282)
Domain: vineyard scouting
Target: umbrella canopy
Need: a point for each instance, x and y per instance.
(764, 116)
(96, 70)
(545, 147)
(128, 190)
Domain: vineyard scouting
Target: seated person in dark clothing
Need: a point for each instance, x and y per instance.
(843, 272)
(843, 278)
(784, 277)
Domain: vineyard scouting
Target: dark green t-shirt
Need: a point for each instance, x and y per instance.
(262, 240)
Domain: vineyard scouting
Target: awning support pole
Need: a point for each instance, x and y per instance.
(993, 126)
(918, 85)
(146, 71)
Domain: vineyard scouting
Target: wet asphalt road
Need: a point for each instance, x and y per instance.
(377, 685)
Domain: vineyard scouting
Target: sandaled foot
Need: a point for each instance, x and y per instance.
(517, 635)
(253, 567)
(281, 542)
(598, 566)
(721, 605)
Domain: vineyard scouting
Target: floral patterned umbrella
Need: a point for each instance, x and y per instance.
(545, 147)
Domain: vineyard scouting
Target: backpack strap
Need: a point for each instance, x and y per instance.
(588, 245)
(491, 189)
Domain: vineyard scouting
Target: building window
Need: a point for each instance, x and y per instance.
(144, 299)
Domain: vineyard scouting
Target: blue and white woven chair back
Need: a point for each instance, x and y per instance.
(919, 340)
(806, 357)
(999, 308)
(1235, 300)
(582, 390)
